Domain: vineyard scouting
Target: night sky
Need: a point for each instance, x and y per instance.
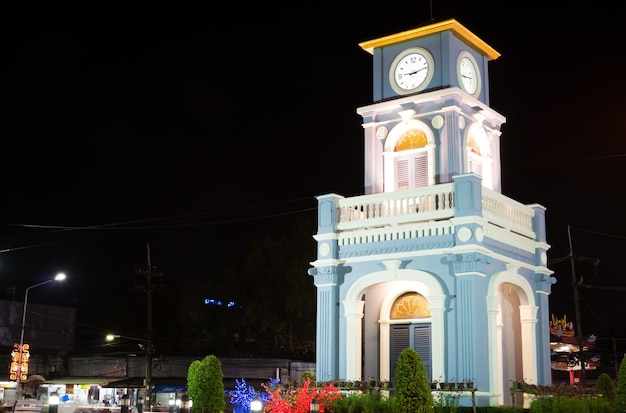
(195, 130)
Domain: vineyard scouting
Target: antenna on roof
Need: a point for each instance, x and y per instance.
(431, 10)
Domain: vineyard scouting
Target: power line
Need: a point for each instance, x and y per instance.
(536, 165)
(124, 226)
(600, 233)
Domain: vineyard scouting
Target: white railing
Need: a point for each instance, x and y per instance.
(411, 205)
(508, 213)
(424, 205)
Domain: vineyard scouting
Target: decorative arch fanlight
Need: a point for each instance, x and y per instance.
(473, 145)
(411, 139)
(410, 305)
(478, 140)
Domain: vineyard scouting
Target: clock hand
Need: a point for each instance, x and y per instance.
(415, 71)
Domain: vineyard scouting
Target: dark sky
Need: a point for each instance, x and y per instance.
(190, 128)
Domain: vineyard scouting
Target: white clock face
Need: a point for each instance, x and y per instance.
(469, 77)
(411, 70)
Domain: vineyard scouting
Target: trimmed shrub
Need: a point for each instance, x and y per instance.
(620, 398)
(606, 387)
(205, 385)
(411, 387)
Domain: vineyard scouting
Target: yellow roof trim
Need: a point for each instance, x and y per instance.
(451, 24)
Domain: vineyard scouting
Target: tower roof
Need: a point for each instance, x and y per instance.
(451, 24)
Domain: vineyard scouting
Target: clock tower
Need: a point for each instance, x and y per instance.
(436, 56)
(431, 119)
(433, 256)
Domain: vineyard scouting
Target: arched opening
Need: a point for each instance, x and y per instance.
(408, 156)
(478, 152)
(362, 303)
(411, 328)
(512, 367)
(512, 333)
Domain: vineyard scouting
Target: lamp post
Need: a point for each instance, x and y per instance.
(148, 380)
(256, 405)
(185, 404)
(58, 277)
(125, 404)
(53, 402)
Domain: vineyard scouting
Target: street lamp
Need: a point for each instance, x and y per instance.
(58, 277)
(53, 402)
(148, 382)
(125, 404)
(256, 405)
(185, 404)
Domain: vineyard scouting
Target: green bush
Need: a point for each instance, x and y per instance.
(307, 375)
(375, 403)
(620, 397)
(563, 405)
(356, 403)
(606, 387)
(205, 385)
(411, 387)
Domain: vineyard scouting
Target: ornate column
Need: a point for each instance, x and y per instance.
(326, 344)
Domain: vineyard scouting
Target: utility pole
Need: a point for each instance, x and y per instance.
(579, 327)
(148, 274)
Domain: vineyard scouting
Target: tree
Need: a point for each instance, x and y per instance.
(205, 385)
(281, 320)
(271, 297)
(606, 385)
(620, 399)
(411, 387)
(33, 383)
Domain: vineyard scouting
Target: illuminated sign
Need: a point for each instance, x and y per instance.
(19, 362)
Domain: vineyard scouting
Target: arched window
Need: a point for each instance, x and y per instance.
(411, 167)
(411, 139)
(410, 305)
(478, 153)
(408, 156)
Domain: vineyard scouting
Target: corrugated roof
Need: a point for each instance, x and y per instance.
(138, 382)
(79, 380)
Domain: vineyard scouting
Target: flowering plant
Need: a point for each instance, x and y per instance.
(244, 394)
(289, 399)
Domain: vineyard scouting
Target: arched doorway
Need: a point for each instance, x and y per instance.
(404, 281)
(512, 319)
(410, 328)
